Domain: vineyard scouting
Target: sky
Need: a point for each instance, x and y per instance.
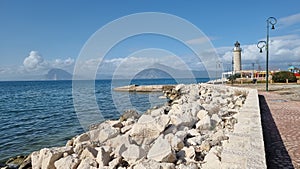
(36, 36)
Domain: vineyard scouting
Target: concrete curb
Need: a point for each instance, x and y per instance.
(245, 147)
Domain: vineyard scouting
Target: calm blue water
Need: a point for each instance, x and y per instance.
(38, 114)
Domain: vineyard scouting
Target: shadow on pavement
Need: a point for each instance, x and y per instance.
(276, 153)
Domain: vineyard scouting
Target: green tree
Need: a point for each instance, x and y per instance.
(283, 75)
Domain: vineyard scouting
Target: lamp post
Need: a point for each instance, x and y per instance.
(262, 44)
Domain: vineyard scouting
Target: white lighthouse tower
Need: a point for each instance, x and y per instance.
(237, 66)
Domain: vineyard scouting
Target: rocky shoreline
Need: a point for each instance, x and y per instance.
(187, 132)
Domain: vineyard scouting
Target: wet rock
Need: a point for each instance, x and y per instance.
(15, 162)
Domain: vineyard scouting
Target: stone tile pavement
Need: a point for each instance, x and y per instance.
(281, 130)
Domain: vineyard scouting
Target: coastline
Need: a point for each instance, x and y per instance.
(288, 92)
(209, 124)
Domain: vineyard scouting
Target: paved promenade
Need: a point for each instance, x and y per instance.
(280, 113)
(281, 120)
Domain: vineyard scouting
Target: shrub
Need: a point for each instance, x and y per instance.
(283, 75)
(234, 77)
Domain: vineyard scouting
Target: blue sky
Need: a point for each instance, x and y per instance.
(39, 35)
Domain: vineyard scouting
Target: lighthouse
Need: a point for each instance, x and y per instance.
(237, 50)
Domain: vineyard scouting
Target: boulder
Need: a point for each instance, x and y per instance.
(204, 124)
(81, 138)
(103, 157)
(88, 163)
(114, 163)
(119, 140)
(147, 164)
(161, 151)
(88, 152)
(101, 135)
(211, 160)
(70, 162)
(201, 114)
(46, 157)
(129, 114)
(188, 166)
(195, 140)
(147, 129)
(175, 142)
(126, 128)
(133, 153)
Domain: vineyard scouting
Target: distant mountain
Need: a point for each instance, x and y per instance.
(158, 71)
(162, 71)
(152, 73)
(58, 74)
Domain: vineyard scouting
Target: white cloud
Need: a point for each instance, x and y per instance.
(199, 40)
(289, 20)
(32, 61)
(60, 63)
(283, 51)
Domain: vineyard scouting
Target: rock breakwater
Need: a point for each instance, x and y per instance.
(185, 133)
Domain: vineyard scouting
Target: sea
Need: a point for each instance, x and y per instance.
(39, 114)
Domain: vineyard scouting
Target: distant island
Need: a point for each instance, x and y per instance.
(58, 74)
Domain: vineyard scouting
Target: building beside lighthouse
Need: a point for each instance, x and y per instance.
(244, 75)
(237, 57)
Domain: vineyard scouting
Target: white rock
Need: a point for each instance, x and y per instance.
(184, 119)
(211, 160)
(187, 153)
(102, 135)
(70, 162)
(195, 140)
(188, 166)
(147, 129)
(88, 152)
(147, 164)
(201, 114)
(167, 166)
(175, 142)
(157, 112)
(181, 134)
(88, 163)
(133, 153)
(171, 129)
(239, 102)
(103, 157)
(231, 105)
(81, 138)
(120, 149)
(79, 147)
(46, 157)
(215, 119)
(113, 164)
(119, 140)
(193, 132)
(204, 124)
(161, 151)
